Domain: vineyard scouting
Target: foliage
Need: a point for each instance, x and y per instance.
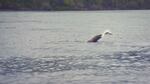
(73, 4)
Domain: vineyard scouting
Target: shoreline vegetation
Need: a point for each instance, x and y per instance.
(73, 5)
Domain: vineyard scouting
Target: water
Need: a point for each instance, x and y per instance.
(52, 48)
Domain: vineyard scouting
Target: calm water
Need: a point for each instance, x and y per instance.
(52, 48)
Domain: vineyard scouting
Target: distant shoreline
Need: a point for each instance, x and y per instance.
(73, 5)
(75, 10)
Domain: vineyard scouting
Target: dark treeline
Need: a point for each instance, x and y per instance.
(73, 4)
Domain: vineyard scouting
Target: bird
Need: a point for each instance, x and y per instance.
(97, 37)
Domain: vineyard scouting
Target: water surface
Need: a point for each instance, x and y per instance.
(52, 48)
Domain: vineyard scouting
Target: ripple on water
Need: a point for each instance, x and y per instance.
(136, 60)
(137, 56)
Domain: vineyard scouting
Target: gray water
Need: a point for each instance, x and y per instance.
(52, 48)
